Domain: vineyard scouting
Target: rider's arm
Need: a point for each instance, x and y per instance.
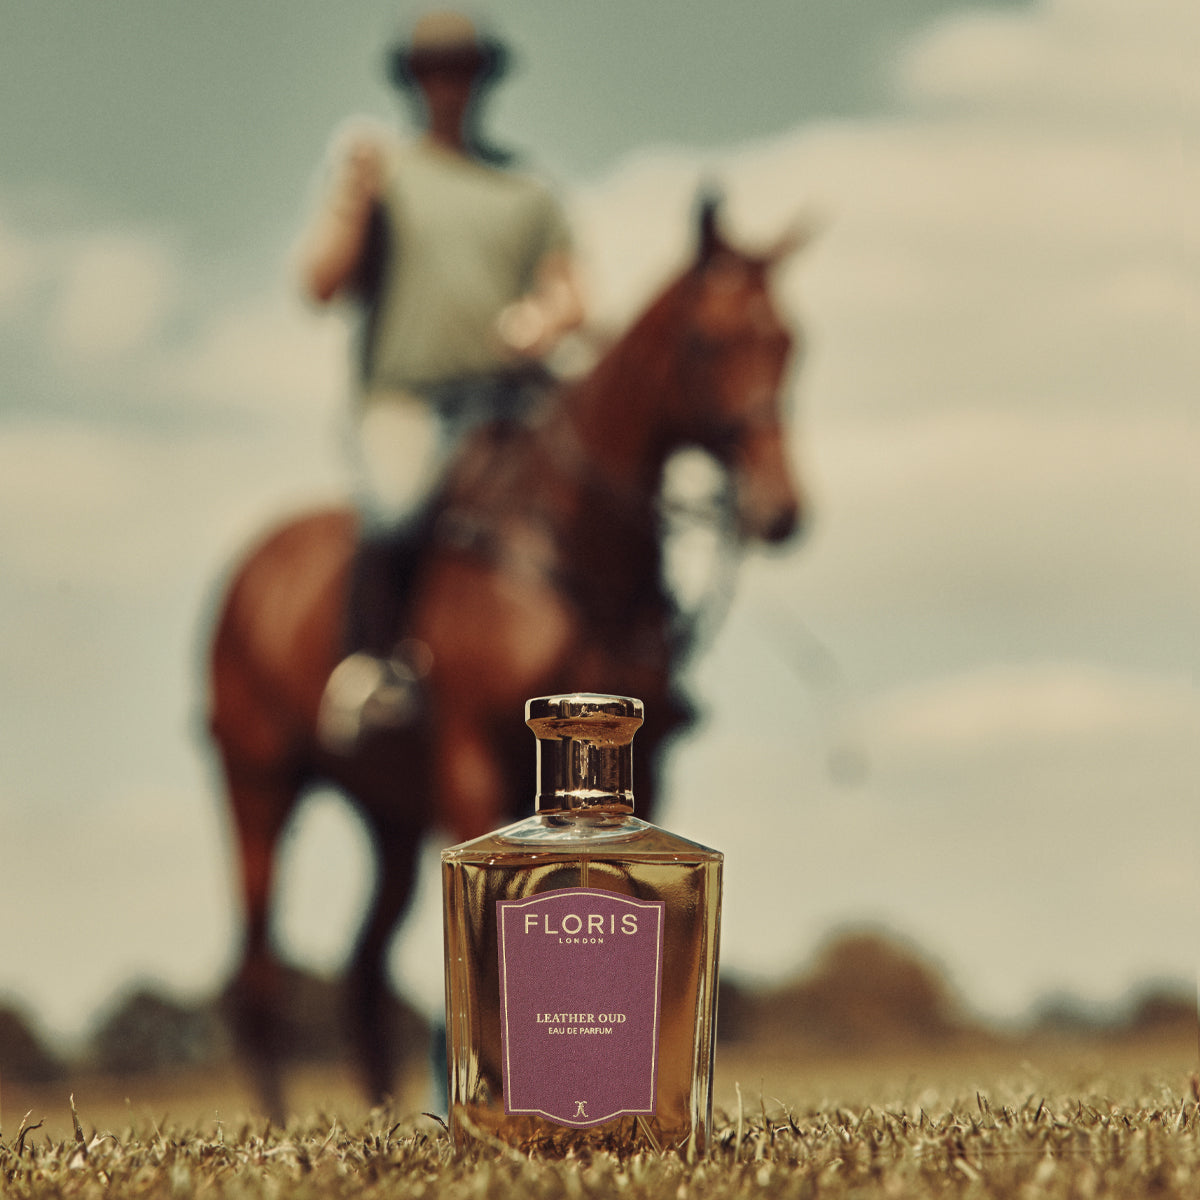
(533, 325)
(331, 251)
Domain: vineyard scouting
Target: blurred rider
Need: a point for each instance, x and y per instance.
(462, 273)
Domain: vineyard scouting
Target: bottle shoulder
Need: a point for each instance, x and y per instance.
(619, 836)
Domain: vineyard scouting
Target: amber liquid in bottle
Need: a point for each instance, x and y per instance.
(584, 836)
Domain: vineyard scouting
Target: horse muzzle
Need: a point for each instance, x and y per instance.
(783, 526)
(770, 505)
(772, 526)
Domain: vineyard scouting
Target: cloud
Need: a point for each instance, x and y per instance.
(108, 312)
(114, 294)
(997, 426)
(990, 796)
(999, 491)
(998, 410)
(1007, 705)
(268, 354)
(969, 260)
(18, 266)
(1080, 61)
(132, 512)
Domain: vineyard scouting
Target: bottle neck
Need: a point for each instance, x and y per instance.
(580, 776)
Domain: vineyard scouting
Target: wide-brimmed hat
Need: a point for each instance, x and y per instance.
(447, 39)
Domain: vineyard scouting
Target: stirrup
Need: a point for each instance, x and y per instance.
(364, 692)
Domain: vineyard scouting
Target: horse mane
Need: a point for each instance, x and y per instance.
(641, 358)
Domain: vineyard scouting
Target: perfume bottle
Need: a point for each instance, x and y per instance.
(581, 957)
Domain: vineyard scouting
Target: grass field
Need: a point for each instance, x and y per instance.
(1052, 1119)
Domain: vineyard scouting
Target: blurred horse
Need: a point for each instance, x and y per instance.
(542, 574)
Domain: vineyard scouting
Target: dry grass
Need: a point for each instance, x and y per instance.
(1063, 1120)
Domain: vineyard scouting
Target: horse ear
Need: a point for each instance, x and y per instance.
(795, 238)
(709, 240)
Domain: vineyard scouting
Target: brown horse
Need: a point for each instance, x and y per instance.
(542, 575)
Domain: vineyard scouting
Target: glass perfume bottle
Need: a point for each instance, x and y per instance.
(581, 957)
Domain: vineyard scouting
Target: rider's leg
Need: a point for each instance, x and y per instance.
(381, 575)
(399, 455)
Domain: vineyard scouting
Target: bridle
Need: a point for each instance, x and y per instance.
(640, 511)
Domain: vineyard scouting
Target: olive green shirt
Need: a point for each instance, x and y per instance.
(463, 240)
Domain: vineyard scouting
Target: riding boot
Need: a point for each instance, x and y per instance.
(380, 578)
(378, 683)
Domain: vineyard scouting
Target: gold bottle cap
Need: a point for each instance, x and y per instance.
(585, 750)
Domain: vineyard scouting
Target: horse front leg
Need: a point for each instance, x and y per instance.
(261, 806)
(368, 992)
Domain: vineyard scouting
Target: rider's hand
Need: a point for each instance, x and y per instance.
(531, 326)
(329, 253)
(360, 177)
(523, 328)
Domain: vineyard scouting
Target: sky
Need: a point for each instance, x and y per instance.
(963, 708)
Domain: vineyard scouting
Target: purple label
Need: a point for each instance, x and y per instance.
(580, 976)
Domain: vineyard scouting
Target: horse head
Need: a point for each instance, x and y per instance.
(735, 364)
